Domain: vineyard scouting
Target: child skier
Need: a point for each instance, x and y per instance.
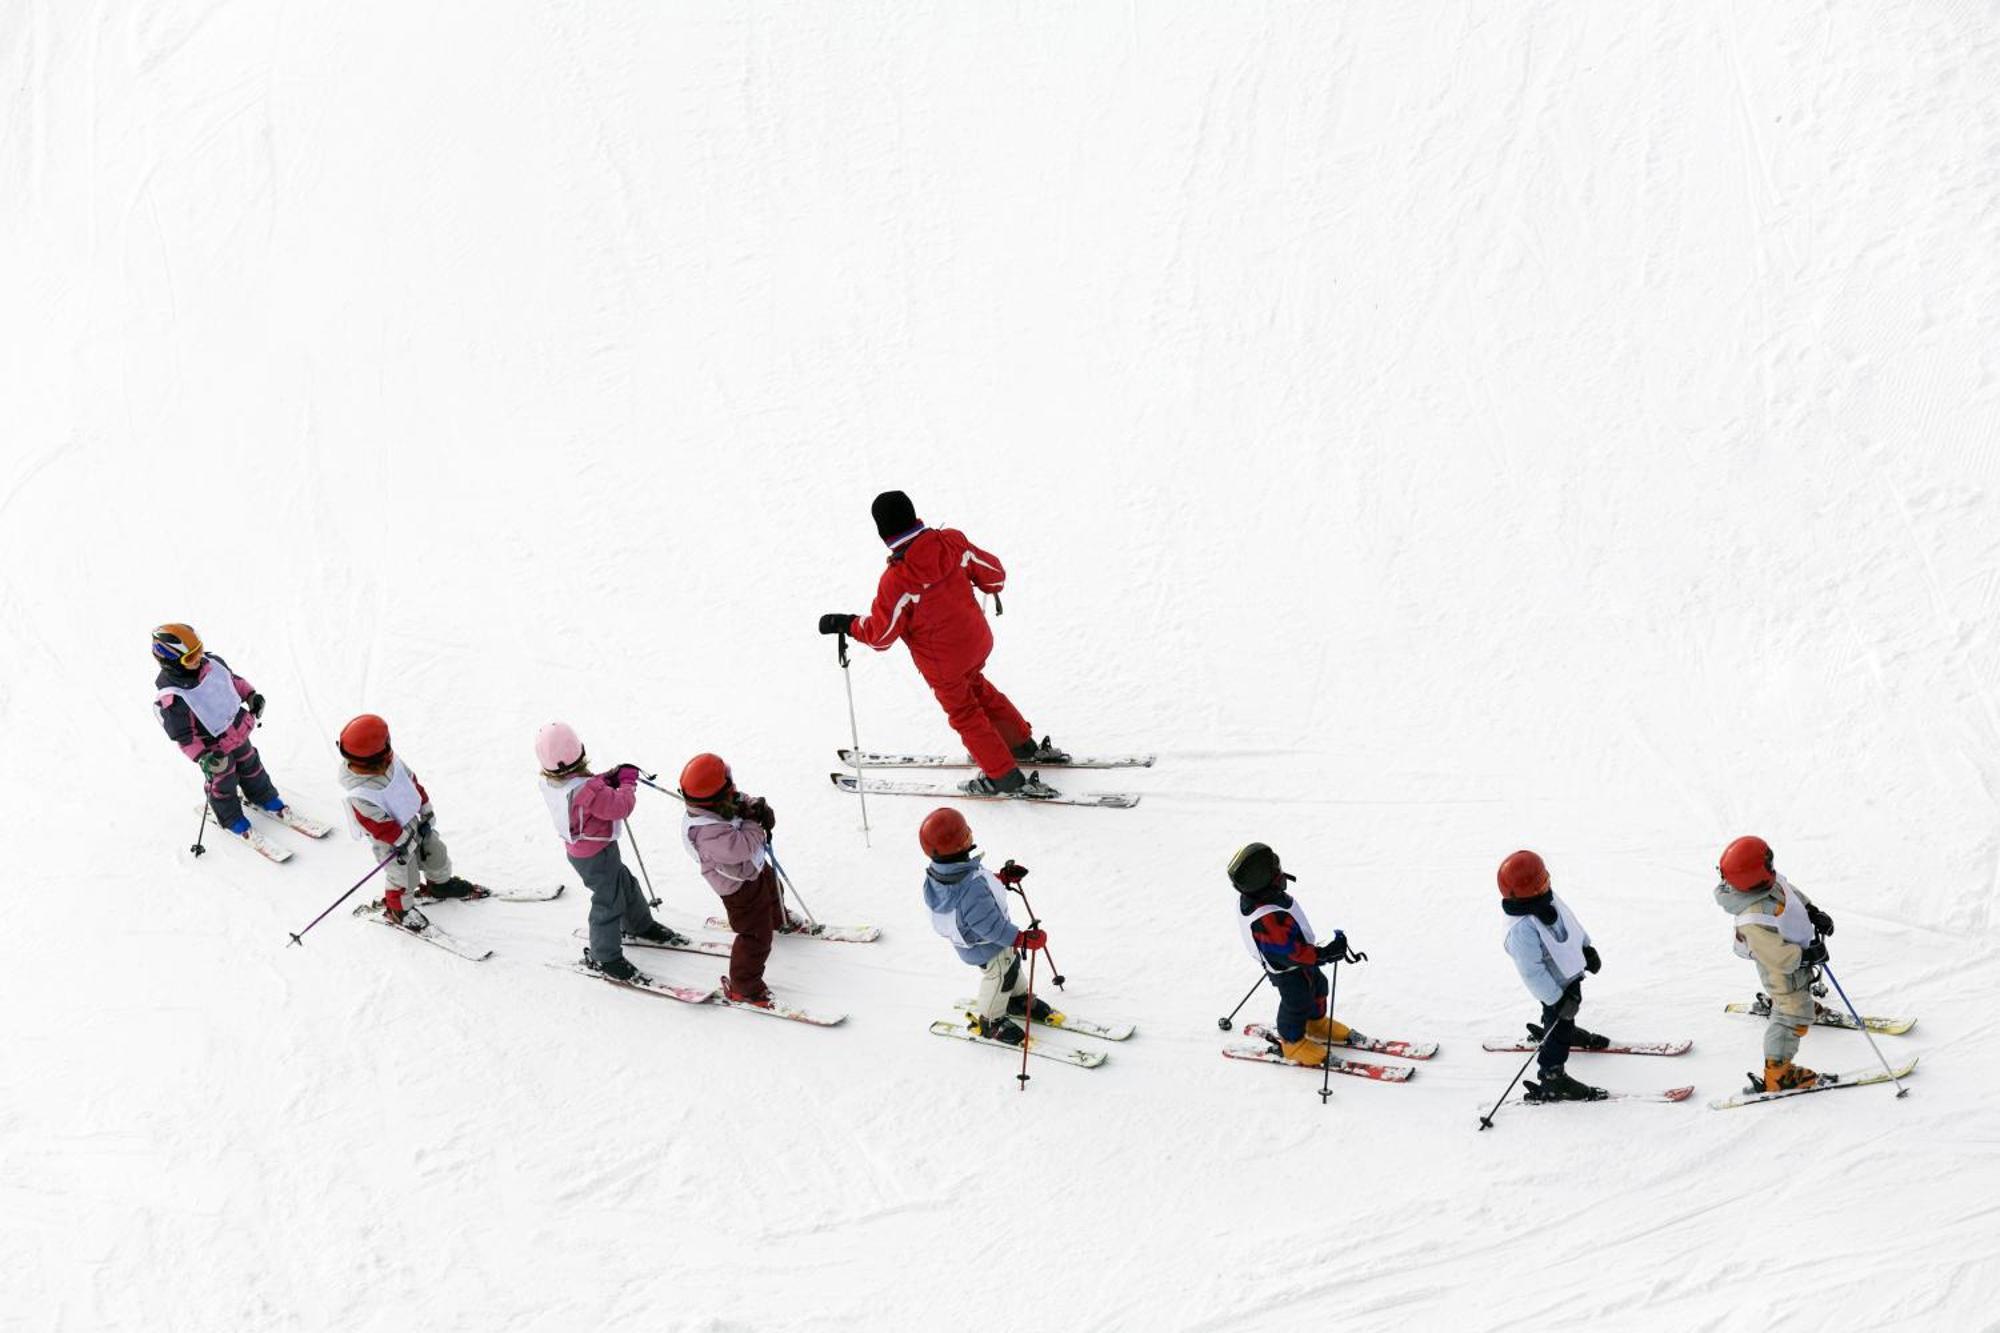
(589, 811)
(387, 806)
(925, 598)
(1279, 937)
(968, 906)
(210, 711)
(1552, 951)
(729, 836)
(1779, 929)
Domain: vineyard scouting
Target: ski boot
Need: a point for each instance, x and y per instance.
(655, 933)
(760, 996)
(1783, 1076)
(1004, 1030)
(240, 826)
(1558, 1086)
(793, 924)
(1011, 783)
(1580, 1039)
(1017, 1006)
(1331, 1031)
(618, 969)
(274, 806)
(454, 887)
(409, 919)
(1044, 751)
(1304, 1051)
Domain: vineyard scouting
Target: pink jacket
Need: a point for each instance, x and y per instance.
(594, 811)
(731, 854)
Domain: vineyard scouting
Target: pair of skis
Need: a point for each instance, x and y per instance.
(706, 995)
(1037, 790)
(1264, 1049)
(963, 1030)
(820, 931)
(264, 847)
(437, 936)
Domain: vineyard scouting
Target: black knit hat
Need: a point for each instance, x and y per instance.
(1255, 869)
(894, 515)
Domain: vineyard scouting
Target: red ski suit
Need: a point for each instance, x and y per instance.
(925, 599)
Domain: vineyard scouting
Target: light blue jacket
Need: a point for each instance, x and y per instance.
(1543, 978)
(961, 894)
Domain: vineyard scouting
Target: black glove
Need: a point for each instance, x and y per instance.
(835, 622)
(255, 703)
(1591, 962)
(1571, 1001)
(1011, 874)
(1813, 954)
(758, 811)
(424, 826)
(1333, 951)
(1821, 922)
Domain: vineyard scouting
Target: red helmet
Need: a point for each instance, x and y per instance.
(1746, 864)
(1523, 875)
(945, 833)
(704, 778)
(365, 740)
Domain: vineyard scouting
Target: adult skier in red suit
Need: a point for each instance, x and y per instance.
(925, 598)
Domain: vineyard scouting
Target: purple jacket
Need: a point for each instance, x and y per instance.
(594, 812)
(183, 728)
(729, 851)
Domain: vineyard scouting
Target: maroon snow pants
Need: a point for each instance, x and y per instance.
(989, 725)
(755, 912)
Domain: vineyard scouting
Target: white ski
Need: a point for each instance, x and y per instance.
(292, 819)
(433, 935)
(945, 791)
(886, 759)
(818, 931)
(1036, 1046)
(1860, 1078)
(1063, 1022)
(685, 994)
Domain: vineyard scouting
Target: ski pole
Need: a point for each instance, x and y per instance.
(1056, 972)
(854, 735)
(1486, 1121)
(1028, 1015)
(652, 899)
(1901, 1091)
(201, 830)
(771, 849)
(1326, 1065)
(395, 853)
(1228, 1024)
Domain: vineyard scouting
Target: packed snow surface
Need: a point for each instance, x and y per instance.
(1434, 429)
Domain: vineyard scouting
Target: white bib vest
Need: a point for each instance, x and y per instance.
(1791, 922)
(946, 923)
(213, 699)
(692, 821)
(1565, 953)
(399, 800)
(556, 795)
(1250, 940)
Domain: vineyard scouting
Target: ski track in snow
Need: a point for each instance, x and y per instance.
(1433, 432)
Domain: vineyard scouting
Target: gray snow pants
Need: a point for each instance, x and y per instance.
(426, 863)
(616, 903)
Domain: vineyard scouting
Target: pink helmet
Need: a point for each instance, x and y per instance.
(558, 749)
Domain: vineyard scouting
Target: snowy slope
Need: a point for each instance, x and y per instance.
(1435, 429)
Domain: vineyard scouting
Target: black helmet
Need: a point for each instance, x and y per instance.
(1256, 868)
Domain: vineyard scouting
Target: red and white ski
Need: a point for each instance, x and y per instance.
(1264, 1053)
(685, 994)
